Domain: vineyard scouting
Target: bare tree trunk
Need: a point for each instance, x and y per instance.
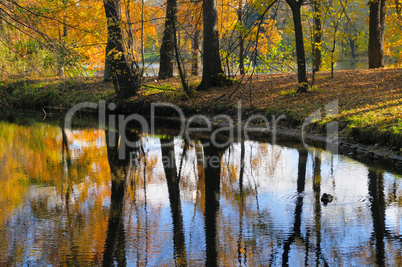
(195, 49)
(168, 41)
(142, 37)
(317, 35)
(195, 62)
(212, 72)
(376, 33)
(241, 39)
(301, 57)
(182, 71)
(352, 44)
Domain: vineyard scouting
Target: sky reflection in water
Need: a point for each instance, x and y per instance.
(66, 200)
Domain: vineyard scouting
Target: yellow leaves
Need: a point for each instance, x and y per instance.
(261, 5)
(117, 56)
(393, 32)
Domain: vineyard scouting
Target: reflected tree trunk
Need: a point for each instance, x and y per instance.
(212, 167)
(66, 158)
(317, 204)
(173, 183)
(201, 176)
(301, 184)
(115, 247)
(241, 176)
(241, 257)
(376, 192)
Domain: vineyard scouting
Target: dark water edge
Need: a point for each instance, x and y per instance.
(383, 158)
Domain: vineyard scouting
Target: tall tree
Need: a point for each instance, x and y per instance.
(376, 33)
(195, 49)
(300, 54)
(317, 35)
(241, 38)
(212, 72)
(126, 81)
(168, 41)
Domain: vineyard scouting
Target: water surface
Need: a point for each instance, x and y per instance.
(67, 199)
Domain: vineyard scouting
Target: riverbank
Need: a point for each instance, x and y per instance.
(367, 107)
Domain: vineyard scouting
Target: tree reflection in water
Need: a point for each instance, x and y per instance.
(173, 182)
(115, 247)
(67, 199)
(376, 192)
(301, 182)
(212, 167)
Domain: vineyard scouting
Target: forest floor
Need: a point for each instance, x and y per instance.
(369, 102)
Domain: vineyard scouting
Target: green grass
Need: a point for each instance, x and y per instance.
(55, 93)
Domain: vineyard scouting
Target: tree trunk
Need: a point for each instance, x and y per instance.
(107, 74)
(195, 52)
(168, 41)
(241, 55)
(125, 81)
(352, 44)
(212, 72)
(241, 39)
(317, 35)
(300, 54)
(376, 33)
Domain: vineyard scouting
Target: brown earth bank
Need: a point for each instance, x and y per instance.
(365, 104)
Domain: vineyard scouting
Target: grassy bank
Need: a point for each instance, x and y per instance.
(369, 101)
(52, 92)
